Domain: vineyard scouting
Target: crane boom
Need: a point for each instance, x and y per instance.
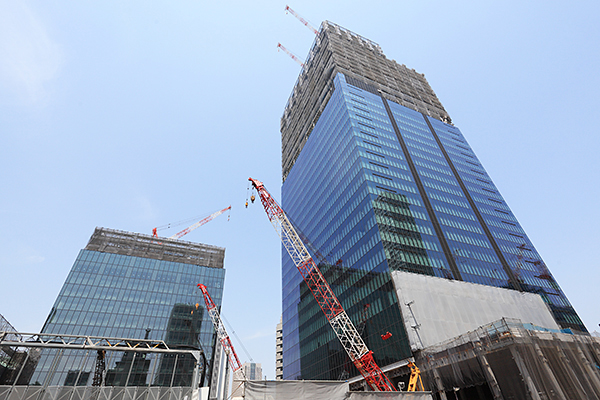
(305, 22)
(194, 226)
(222, 335)
(343, 327)
(289, 53)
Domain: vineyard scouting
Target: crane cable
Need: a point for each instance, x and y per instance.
(237, 337)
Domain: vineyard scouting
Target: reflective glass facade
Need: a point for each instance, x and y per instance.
(378, 187)
(132, 296)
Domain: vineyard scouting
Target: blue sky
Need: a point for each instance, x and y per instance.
(133, 114)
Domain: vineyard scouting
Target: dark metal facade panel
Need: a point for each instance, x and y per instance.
(513, 280)
(436, 225)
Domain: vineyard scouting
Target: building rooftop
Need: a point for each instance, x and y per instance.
(337, 49)
(114, 241)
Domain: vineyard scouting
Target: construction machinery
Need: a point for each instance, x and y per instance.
(100, 368)
(222, 335)
(196, 225)
(289, 53)
(305, 22)
(415, 384)
(343, 327)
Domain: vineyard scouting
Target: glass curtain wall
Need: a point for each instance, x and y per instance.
(122, 296)
(379, 186)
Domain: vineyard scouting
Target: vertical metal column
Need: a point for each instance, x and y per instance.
(426, 202)
(570, 373)
(591, 377)
(489, 373)
(18, 375)
(174, 369)
(476, 211)
(196, 373)
(153, 375)
(50, 375)
(130, 368)
(533, 391)
(439, 384)
(557, 389)
(81, 367)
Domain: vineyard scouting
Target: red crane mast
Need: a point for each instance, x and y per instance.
(343, 327)
(222, 335)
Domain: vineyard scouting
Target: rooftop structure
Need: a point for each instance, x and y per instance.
(129, 374)
(338, 50)
(16, 363)
(106, 240)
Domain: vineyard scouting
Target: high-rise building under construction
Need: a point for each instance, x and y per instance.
(378, 179)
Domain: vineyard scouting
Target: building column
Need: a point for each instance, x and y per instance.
(489, 374)
(570, 373)
(439, 384)
(533, 391)
(548, 371)
(592, 374)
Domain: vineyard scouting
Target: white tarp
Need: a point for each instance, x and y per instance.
(390, 396)
(320, 390)
(295, 390)
(438, 309)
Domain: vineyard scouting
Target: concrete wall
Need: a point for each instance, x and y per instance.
(442, 309)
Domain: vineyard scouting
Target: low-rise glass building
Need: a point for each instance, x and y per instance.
(128, 285)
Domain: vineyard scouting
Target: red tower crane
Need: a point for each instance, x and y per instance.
(343, 327)
(222, 335)
(289, 53)
(305, 22)
(194, 226)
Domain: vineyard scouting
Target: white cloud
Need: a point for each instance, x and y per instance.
(34, 259)
(145, 209)
(21, 256)
(262, 334)
(29, 58)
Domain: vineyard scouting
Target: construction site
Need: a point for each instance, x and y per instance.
(500, 360)
(177, 369)
(405, 274)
